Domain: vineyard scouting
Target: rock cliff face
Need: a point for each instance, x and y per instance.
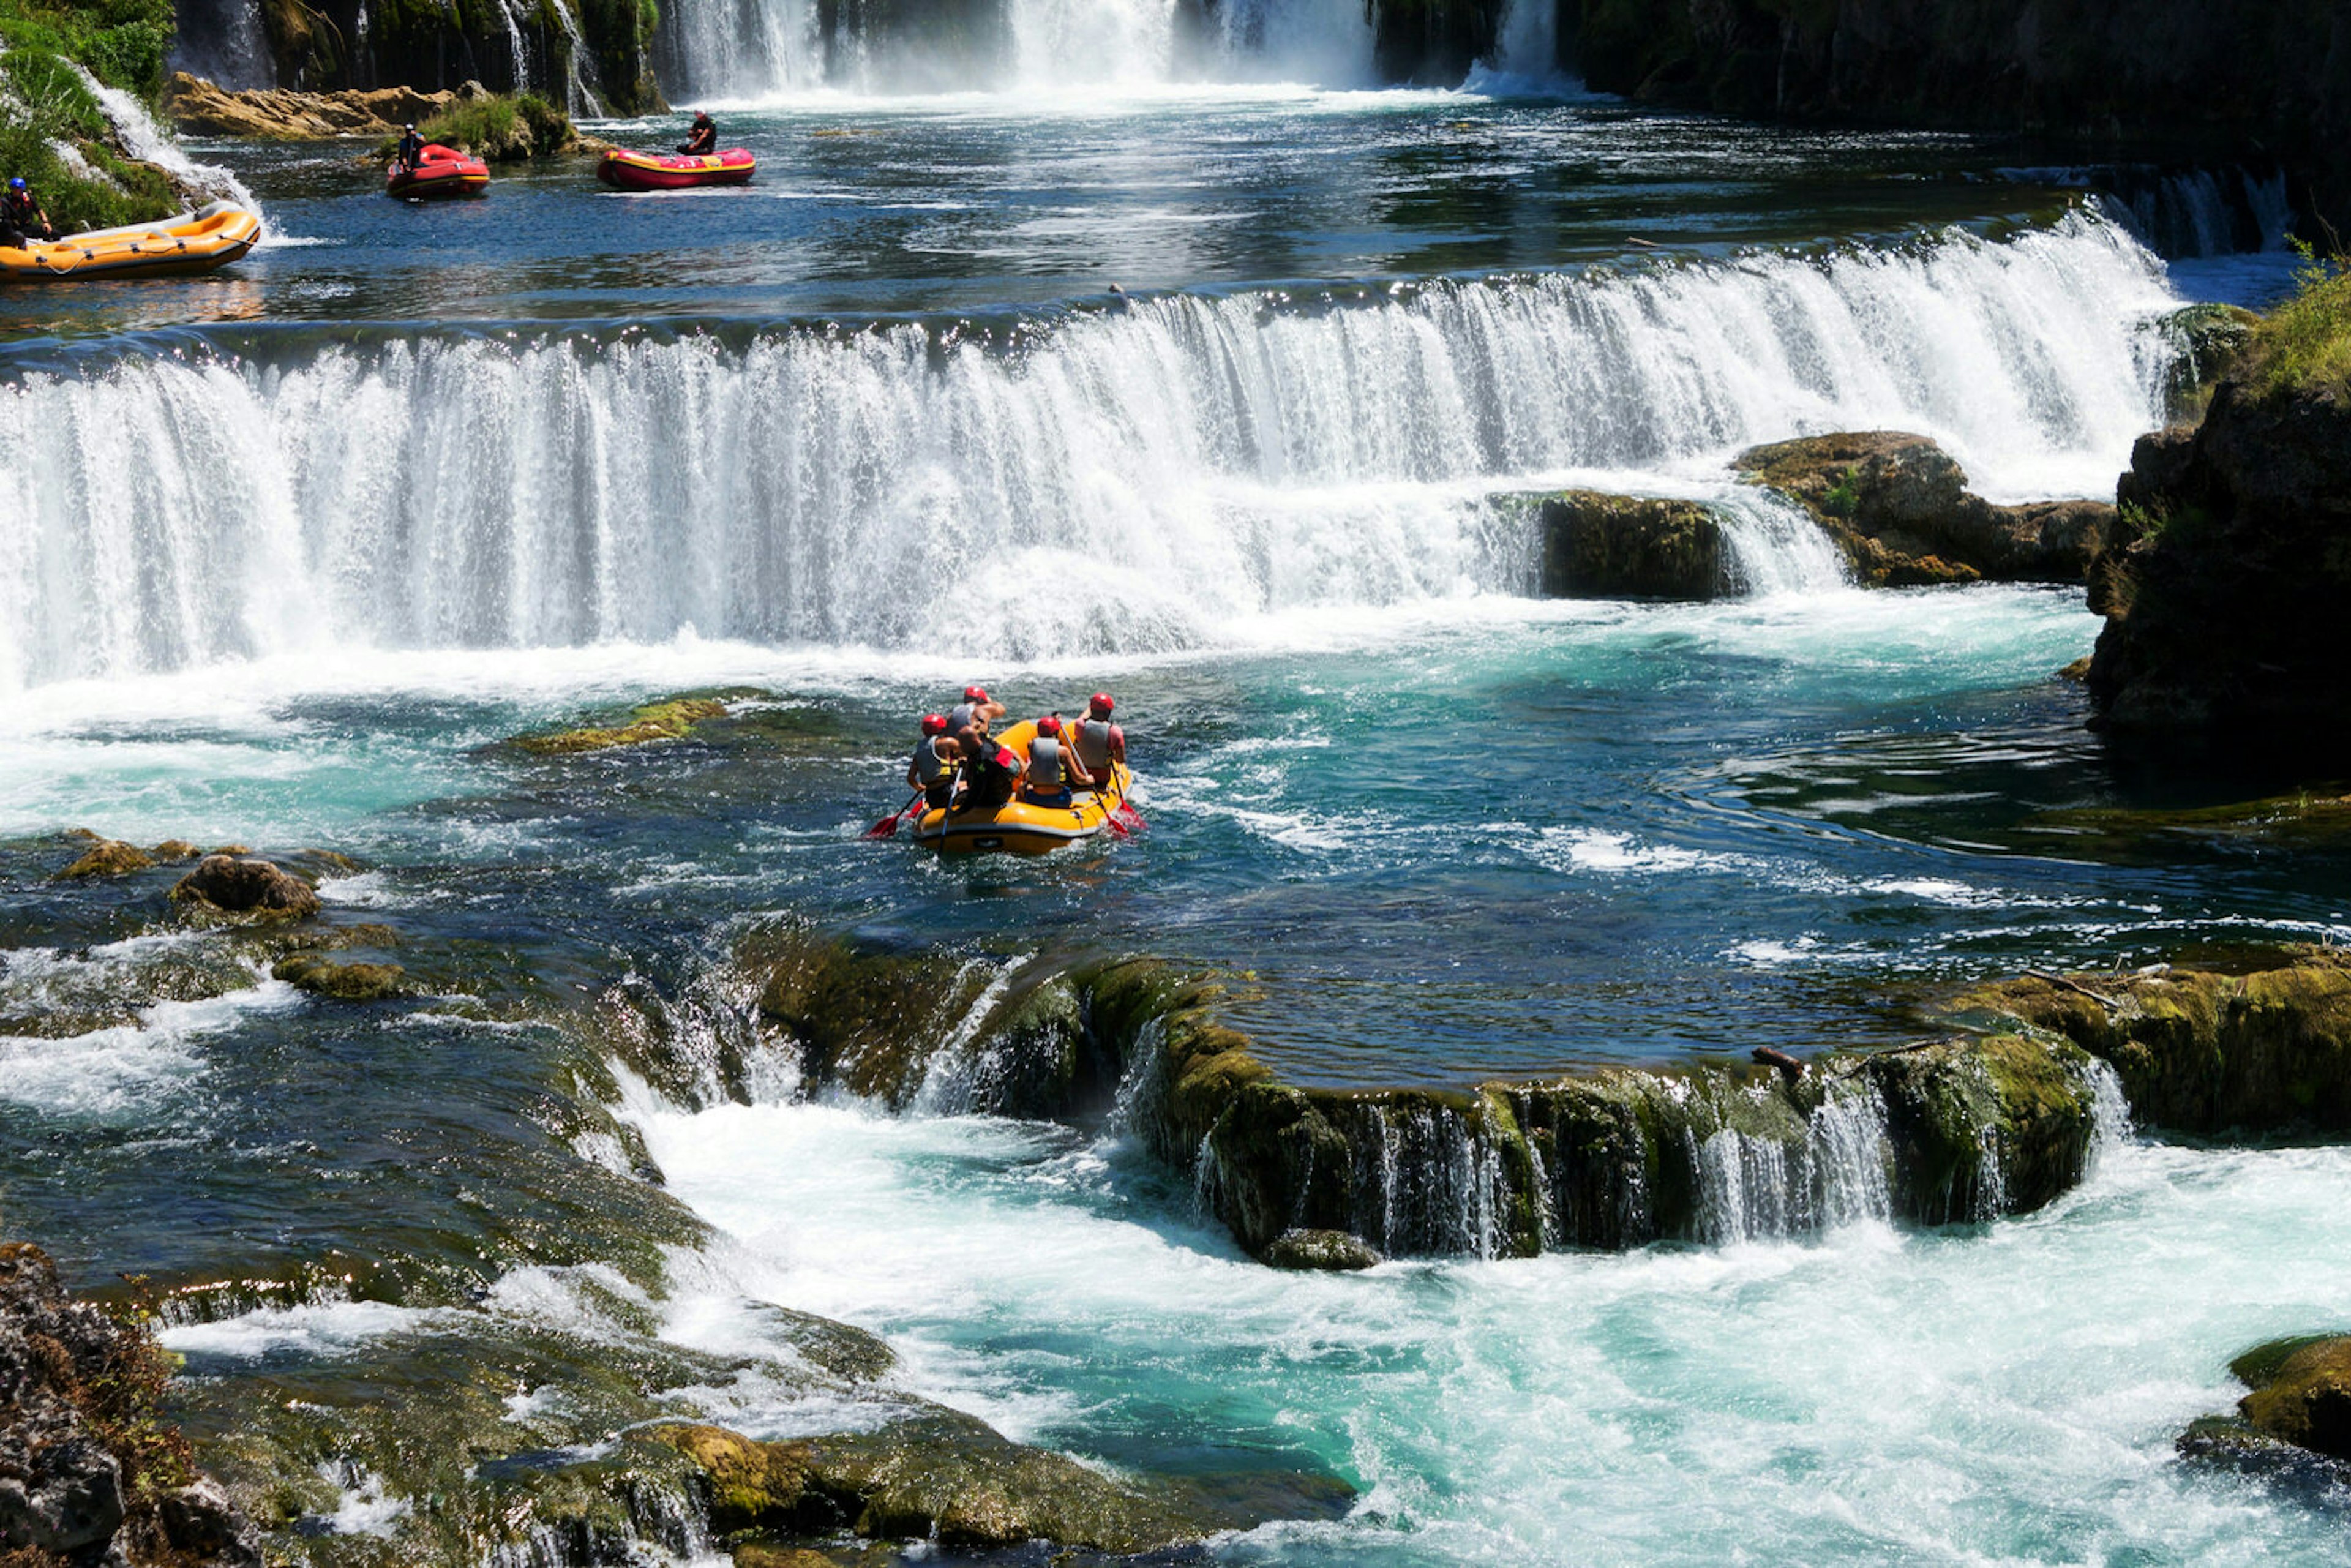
(2224, 586)
(582, 53)
(87, 1471)
(2272, 74)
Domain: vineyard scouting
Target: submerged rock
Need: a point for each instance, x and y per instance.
(1331, 1252)
(1597, 546)
(1900, 507)
(342, 982)
(227, 887)
(88, 1472)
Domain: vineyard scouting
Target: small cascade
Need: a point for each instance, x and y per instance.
(2111, 1124)
(151, 143)
(1191, 463)
(1775, 548)
(1528, 47)
(2203, 212)
(959, 1079)
(1753, 1187)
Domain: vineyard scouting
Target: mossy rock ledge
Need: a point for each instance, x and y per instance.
(1899, 508)
(1598, 546)
(2295, 1425)
(1997, 1119)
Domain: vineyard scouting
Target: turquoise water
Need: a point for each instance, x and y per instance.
(292, 568)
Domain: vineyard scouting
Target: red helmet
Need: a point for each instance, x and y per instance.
(934, 724)
(975, 694)
(1100, 703)
(1049, 725)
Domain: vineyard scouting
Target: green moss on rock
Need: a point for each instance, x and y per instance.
(670, 720)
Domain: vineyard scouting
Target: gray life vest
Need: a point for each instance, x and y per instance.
(1092, 744)
(929, 766)
(1045, 765)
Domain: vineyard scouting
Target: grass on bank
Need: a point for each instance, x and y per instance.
(2304, 345)
(498, 128)
(52, 130)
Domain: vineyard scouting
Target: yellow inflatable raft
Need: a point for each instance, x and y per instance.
(192, 242)
(1023, 828)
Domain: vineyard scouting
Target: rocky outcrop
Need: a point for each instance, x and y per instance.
(598, 55)
(2262, 1050)
(670, 720)
(2207, 342)
(279, 114)
(1900, 509)
(228, 888)
(2224, 585)
(88, 1472)
(1597, 546)
(2294, 1424)
(613, 1471)
(1322, 1251)
(107, 857)
(936, 1476)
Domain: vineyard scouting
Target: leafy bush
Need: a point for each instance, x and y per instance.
(2305, 345)
(498, 128)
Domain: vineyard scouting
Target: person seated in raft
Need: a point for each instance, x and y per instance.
(934, 767)
(1097, 742)
(1055, 771)
(974, 713)
(702, 137)
(21, 217)
(411, 150)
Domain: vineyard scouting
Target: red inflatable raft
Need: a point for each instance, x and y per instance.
(440, 172)
(629, 171)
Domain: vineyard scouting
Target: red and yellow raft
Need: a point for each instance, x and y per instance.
(440, 172)
(1024, 828)
(172, 247)
(627, 171)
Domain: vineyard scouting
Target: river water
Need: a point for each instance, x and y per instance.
(295, 550)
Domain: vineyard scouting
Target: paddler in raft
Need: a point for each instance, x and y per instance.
(22, 221)
(1096, 742)
(936, 755)
(411, 150)
(700, 137)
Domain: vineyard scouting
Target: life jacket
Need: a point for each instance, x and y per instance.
(929, 766)
(1045, 775)
(19, 208)
(1092, 743)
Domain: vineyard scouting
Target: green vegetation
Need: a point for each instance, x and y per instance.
(45, 105)
(2305, 345)
(498, 128)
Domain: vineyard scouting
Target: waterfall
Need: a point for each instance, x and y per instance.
(1183, 465)
(223, 41)
(1774, 546)
(764, 48)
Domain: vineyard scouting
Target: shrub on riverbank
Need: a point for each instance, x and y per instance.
(2305, 345)
(500, 128)
(54, 131)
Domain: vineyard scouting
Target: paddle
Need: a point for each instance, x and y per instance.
(887, 827)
